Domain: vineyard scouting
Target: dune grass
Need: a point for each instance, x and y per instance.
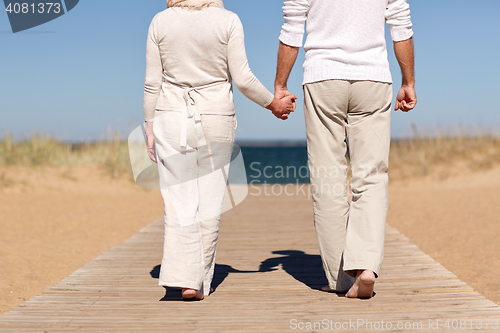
(443, 156)
(45, 151)
(439, 156)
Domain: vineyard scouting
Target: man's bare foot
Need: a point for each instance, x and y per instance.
(330, 290)
(191, 295)
(363, 285)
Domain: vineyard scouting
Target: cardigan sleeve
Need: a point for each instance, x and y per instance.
(295, 15)
(398, 18)
(154, 71)
(242, 76)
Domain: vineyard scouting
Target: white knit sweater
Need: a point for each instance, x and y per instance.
(345, 38)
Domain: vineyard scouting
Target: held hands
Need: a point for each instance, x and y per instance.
(150, 141)
(283, 104)
(406, 99)
(287, 106)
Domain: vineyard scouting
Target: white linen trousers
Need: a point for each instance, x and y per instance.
(194, 154)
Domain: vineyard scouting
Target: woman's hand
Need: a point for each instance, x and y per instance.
(150, 141)
(281, 108)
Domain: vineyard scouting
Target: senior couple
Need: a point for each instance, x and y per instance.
(195, 50)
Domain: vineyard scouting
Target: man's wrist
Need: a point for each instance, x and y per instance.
(278, 87)
(408, 83)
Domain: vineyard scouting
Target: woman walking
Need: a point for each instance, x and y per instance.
(195, 49)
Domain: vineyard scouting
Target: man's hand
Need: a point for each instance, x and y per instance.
(406, 99)
(150, 141)
(280, 92)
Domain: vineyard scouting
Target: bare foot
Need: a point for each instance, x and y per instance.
(363, 285)
(330, 290)
(191, 295)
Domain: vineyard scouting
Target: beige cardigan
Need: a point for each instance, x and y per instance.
(198, 53)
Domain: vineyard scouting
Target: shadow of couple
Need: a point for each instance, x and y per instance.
(303, 267)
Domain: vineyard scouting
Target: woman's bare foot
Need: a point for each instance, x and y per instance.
(191, 295)
(363, 285)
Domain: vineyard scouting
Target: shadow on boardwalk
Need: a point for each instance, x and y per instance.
(303, 267)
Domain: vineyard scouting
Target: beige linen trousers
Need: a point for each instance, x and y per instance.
(349, 118)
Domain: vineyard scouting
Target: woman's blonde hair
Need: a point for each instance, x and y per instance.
(189, 3)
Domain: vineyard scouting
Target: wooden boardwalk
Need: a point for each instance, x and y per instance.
(267, 279)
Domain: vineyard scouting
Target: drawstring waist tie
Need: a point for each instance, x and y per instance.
(190, 110)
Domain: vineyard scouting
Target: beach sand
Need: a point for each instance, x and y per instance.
(54, 220)
(457, 222)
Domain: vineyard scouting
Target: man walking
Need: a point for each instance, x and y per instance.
(347, 105)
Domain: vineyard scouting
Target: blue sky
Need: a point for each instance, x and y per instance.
(81, 76)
